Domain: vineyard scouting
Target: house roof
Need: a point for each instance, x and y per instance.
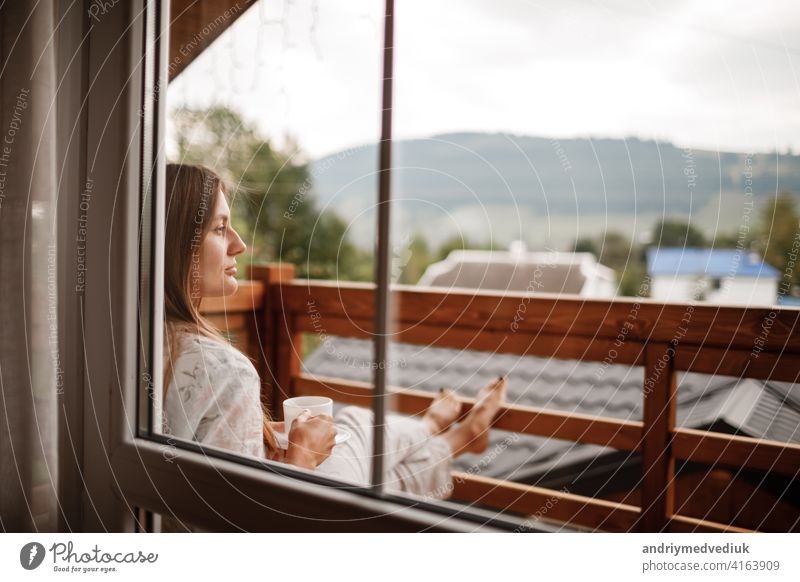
(517, 270)
(764, 410)
(788, 300)
(717, 263)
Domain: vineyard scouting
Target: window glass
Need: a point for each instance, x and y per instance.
(265, 105)
(581, 150)
(667, 153)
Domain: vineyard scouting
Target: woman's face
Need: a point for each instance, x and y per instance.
(217, 258)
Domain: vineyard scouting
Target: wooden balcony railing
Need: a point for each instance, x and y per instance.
(270, 313)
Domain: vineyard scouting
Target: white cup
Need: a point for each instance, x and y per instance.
(316, 405)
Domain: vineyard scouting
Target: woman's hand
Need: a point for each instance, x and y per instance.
(273, 454)
(311, 440)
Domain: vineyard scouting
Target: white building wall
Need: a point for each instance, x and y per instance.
(735, 291)
(746, 291)
(673, 288)
(599, 287)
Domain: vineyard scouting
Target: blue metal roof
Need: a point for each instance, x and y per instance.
(788, 300)
(717, 263)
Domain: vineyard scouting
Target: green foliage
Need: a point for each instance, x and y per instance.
(619, 253)
(677, 233)
(779, 235)
(634, 281)
(616, 251)
(454, 243)
(410, 258)
(271, 203)
(731, 240)
(585, 245)
(459, 243)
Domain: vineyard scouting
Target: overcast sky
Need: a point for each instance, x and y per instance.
(709, 74)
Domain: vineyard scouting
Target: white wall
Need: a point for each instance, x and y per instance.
(672, 288)
(599, 287)
(738, 290)
(746, 291)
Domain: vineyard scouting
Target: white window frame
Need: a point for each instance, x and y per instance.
(121, 471)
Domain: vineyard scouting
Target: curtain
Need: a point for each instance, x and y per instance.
(30, 365)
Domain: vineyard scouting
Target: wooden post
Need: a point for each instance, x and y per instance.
(276, 338)
(658, 462)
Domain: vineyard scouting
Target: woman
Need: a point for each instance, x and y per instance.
(212, 392)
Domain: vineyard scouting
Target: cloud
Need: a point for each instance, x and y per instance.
(703, 74)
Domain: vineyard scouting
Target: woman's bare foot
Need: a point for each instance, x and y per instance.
(480, 417)
(472, 435)
(442, 412)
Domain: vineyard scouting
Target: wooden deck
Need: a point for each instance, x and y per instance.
(270, 313)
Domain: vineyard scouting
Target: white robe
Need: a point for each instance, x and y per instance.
(214, 399)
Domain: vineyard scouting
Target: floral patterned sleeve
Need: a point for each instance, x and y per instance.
(214, 398)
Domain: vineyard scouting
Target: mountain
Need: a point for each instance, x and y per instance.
(548, 191)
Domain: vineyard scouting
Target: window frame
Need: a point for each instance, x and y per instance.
(147, 471)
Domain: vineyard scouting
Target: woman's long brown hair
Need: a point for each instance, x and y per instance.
(191, 198)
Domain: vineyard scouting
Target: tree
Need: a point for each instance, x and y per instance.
(732, 240)
(619, 253)
(616, 251)
(459, 243)
(454, 243)
(585, 245)
(271, 204)
(410, 257)
(632, 279)
(677, 233)
(779, 236)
